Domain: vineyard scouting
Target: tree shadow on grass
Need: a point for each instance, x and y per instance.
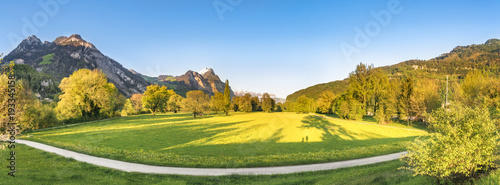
(326, 126)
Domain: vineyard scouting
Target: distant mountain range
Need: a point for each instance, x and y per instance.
(254, 94)
(457, 63)
(206, 80)
(45, 64)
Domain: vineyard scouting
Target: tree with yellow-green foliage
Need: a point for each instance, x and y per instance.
(267, 103)
(196, 101)
(156, 98)
(88, 94)
(135, 99)
(128, 108)
(304, 104)
(217, 102)
(325, 102)
(175, 102)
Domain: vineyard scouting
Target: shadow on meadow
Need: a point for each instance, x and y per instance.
(181, 140)
(332, 131)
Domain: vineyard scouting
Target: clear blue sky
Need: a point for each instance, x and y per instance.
(275, 46)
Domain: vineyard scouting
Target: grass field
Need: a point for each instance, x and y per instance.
(238, 140)
(37, 167)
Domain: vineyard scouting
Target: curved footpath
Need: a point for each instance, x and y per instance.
(142, 168)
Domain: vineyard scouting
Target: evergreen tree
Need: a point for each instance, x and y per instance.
(227, 98)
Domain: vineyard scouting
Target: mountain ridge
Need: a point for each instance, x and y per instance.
(60, 58)
(208, 82)
(66, 55)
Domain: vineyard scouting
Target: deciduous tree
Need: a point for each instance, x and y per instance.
(155, 98)
(136, 101)
(304, 104)
(267, 103)
(325, 102)
(175, 102)
(87, 93)
(196, 101)
(217, 102)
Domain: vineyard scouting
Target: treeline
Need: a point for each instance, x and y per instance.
(159, 99)
(370, 91)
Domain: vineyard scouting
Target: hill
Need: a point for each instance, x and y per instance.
(314, 91)
(456, 63)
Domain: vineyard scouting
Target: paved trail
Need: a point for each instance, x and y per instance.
(142, 168)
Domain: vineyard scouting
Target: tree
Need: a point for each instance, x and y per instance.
(387, 105)
(325, 102)
(378, 84)
(217, 102)
(236, 103)
(155, 98)
(463, 144)
(267, 103)
(20, 99)
(175, 102)
(245, 103)
(279, 107)
(346, 107)
(304, 104)
(128, 108)
(425, 98)
(136, 101)
(87, 93)
(405, 99)
(196, 101)
(359, 84)
(227, 98)
(39, 116)
(254, 101)
(476, 88)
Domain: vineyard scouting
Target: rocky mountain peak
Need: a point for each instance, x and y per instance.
(73, 40)
(33, 40)
(32, 43)
(207, 70)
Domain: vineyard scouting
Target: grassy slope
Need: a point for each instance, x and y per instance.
(38, 167)
(240, 140)
(47, 59)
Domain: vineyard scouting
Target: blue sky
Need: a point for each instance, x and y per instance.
(275, 46)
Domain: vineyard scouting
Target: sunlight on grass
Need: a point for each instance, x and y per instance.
(241, 139)
(290, 127)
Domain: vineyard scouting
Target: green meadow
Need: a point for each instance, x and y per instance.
(238, 140)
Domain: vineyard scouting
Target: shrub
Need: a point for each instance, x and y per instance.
(464, 143)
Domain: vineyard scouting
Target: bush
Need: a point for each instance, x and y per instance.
(464, 144)
(40, 116)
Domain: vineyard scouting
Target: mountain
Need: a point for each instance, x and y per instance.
(254, 94)
(206, 81)
(456, 63)
(66, 55)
